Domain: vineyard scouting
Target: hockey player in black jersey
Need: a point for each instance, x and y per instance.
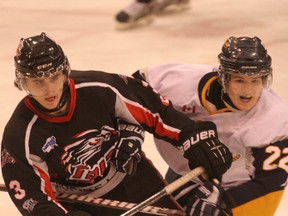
(80, 132)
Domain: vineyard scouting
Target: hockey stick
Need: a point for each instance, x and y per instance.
(166, 191)
(107, 203)
(133, 208)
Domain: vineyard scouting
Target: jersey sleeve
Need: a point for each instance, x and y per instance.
(26, 179)
(262, 194)
(138, 101)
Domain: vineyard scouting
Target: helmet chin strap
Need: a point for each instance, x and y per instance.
(64, 98)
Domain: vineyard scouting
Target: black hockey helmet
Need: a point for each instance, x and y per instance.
(39, 56)
(245, 56)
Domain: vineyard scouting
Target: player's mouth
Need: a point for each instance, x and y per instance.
(50, 99)
(245, 98)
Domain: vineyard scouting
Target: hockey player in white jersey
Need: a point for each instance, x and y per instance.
(252, 121)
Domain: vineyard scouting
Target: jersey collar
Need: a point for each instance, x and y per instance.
(211, 95)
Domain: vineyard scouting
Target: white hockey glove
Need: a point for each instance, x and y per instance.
(204, 149)
(128, 149)
(207, 201)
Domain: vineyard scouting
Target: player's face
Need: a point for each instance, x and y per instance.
(46, 90)
(244, 91)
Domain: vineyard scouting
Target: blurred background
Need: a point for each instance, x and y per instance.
(86, 31)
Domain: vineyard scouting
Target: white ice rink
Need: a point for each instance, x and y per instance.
(86, 31)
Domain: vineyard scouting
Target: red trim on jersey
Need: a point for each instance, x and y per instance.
(48, 187)
(150, 120)
(64, 118)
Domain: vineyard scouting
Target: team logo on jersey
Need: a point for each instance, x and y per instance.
(29, 205)
(81, 158)
(6, 158)
(49, 145)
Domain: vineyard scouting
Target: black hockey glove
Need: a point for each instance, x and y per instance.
(208, 200)
(204, 149)
(128, 149)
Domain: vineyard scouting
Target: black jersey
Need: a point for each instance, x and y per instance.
(72, 153)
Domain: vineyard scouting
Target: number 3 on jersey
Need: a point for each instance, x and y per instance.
(276, 156)
(19, 193)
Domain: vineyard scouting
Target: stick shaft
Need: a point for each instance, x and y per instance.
(145, 203)
(166, 191)
(107, 203)
(184, 179)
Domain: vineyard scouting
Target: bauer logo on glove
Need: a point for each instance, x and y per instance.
(203, 135)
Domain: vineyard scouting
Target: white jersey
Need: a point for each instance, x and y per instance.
(262, 127)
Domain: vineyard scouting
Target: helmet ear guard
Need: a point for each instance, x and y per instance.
(244, 56)
(17, 84)
(39, 56)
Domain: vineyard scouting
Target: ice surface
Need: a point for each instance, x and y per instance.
(86, 31)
